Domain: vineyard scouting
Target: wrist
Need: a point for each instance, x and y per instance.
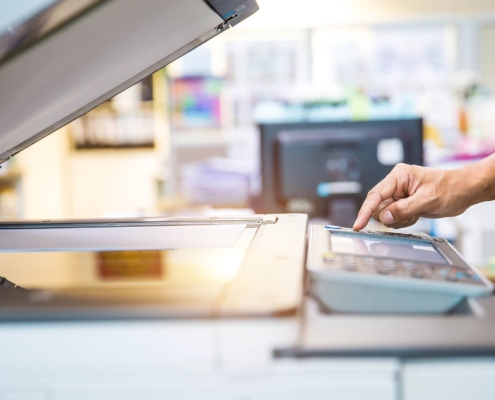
(477, 183)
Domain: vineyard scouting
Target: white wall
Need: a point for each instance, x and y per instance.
(46, 175)
(487, 55)
(275, 14)
(112, 181)
(59, 182)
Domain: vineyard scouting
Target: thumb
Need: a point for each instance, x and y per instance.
(402, 211)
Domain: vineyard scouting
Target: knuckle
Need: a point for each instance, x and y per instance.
(372, 193)
(401, 168)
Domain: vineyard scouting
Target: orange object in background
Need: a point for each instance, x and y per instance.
(433, 134)
(129, 265)
(463, 121)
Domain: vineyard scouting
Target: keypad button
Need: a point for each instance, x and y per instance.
(409, 264)
(368, 262)
(393, 234)
(417, 273)
(452, 276)
(349, 267)
(391, 265)
(440, 272)
(467, 274)
(328, 257)
(349, 263)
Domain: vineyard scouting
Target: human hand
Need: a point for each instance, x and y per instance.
(410, 192)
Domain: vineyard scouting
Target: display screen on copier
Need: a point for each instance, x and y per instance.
(390, 247)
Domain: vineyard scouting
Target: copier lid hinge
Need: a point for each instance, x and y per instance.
(4, 158)
(225, 24)
(222, 27)
(227, 18)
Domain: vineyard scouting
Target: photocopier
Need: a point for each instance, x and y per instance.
(241, 307)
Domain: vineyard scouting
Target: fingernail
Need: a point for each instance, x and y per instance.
(387, 217)
(356, 223)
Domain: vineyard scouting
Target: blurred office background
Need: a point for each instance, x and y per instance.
(185, 140)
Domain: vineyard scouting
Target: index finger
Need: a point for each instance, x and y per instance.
(384, 190)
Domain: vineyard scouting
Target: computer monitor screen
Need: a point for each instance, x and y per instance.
(326, 169)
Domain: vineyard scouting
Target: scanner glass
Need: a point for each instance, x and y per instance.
(171, 272)
(208, 264)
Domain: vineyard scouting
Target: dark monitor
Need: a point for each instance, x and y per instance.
(325, 169)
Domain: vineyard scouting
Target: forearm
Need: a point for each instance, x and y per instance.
(479, 180)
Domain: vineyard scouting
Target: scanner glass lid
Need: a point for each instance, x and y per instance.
(382, 246)
(76, 54)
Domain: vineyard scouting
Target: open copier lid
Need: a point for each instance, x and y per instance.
(75, 54)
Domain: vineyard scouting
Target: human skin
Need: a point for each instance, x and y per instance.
(410, 192)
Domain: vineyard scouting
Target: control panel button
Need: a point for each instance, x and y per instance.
(417, 273)
(328, 257)
(452, 275)
(468, 275)
(394, 234)
(389, 264)
(408, 264)
(368, 261)
(349, 263)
